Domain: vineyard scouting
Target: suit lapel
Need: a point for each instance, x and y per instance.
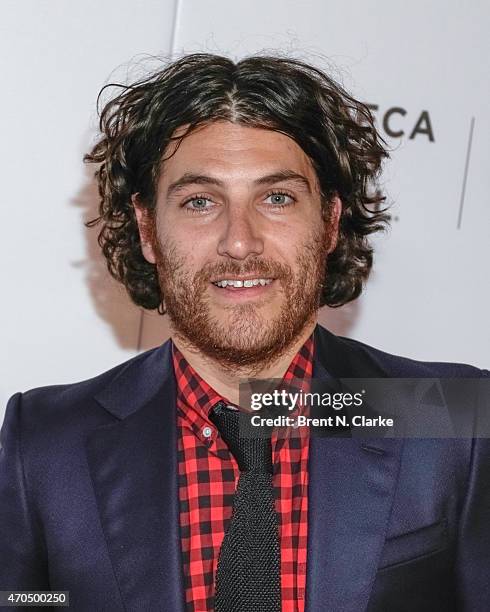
(350, 495)
(133, 464)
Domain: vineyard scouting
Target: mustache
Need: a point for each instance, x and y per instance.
(260, 268)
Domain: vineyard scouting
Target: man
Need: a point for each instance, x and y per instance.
(237, 198)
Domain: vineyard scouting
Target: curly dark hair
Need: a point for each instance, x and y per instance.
(335, 131)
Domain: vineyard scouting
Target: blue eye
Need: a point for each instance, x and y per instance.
(278, 198)
(197, 203)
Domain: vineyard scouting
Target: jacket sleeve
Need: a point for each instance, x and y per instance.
(23, 563)
(473, 561)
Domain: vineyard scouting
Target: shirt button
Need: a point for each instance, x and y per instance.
(207, 432)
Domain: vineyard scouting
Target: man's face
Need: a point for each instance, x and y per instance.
(239, 241)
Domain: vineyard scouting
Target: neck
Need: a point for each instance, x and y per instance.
(226, 382)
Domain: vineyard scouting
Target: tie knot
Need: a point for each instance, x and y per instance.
(251, 453)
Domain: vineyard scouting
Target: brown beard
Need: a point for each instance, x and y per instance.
(247, 342)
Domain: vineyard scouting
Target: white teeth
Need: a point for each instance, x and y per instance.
(245, 283)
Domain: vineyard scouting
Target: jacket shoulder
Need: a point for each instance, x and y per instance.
(90, 386)
(72, 404)
(398, 366)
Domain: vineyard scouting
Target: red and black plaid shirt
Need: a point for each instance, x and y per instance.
(208, 475)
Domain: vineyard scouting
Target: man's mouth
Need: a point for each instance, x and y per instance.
(235, 283)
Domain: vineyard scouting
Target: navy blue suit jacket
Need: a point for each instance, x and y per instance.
(89, 498)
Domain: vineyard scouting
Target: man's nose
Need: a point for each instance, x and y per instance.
(241, 237)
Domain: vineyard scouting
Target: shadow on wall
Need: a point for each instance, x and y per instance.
(134, 328)
(340, 321)
(110, 299)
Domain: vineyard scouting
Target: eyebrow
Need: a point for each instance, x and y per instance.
(191, 178)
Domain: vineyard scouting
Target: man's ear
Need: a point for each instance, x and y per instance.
(145, 227)
(333, 222)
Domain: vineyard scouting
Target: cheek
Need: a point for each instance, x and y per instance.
(292, 240)
(198, 244)
(187, 252)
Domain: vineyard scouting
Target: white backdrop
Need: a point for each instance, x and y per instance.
(419, 63)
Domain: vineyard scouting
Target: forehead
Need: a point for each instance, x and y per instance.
(235, 151)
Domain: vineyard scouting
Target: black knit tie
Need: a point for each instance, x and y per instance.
(248, 577)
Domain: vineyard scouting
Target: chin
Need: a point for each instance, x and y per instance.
(242, 337)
